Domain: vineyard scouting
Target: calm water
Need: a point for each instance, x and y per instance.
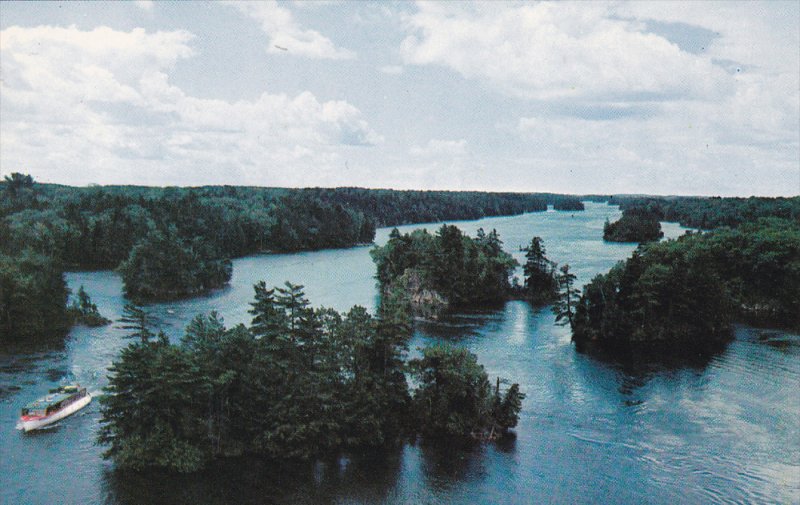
(721, 429)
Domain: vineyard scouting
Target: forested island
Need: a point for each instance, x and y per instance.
(568, 203)
(299, 383)
(448, 269)
(685, 293)
(637, 224)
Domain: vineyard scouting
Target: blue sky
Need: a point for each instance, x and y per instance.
(590, 97)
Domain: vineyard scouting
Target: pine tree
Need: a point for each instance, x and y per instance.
(135, 319)
(540, 281)
(568, 296)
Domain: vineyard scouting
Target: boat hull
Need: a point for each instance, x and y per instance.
(35, 424)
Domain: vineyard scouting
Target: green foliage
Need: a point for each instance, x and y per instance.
(716, 212)
(567, 298)
(135, 319)
(448, 265)
(33, 296)
(163, 265)
(138, 229)
(686, 292)
(568, 203)
(83, 311)
(301, 383)
(540, 274)
(149, 410)
(635, 225)
(454, 396)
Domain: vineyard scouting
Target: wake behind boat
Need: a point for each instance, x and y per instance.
(58, 404)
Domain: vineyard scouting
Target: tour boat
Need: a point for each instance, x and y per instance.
(58, 404)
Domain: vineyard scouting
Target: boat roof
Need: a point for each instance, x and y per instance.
(43, 403)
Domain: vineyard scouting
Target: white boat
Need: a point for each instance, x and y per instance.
(58, 404)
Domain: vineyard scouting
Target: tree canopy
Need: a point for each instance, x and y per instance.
(687, 292)
(300, 383)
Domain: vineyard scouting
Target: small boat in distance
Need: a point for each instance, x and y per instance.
(58, 404)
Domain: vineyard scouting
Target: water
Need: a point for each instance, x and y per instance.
(720, 429)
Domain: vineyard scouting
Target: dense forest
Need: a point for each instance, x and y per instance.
(712, 212)
(568, 203)
(172, 242)
(299, 383)
(637, 224)
(685, 293)
(448, 269)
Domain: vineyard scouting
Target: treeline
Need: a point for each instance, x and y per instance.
(448, 269)
(685, 293)
(172, 242)
(568, 203)
(637, 224)
(393, 208)
(299, 383)
(712, 212)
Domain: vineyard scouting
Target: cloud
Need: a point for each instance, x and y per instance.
(146, 5)
(549, 51)
(440, 148)
(99, 105)
(391, 69)
(692, 97)
(286, 36)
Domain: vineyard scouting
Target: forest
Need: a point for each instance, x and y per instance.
(637, 224)
(299, 383)
(175, 242)
(686, 293)
(707, 213)
(445, 270)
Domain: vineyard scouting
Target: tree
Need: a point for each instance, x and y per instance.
(17, 182)
(83, 311)
(568, 296)
(135, 319)
(454, 397)
(150, 416)
(540, 281)
(269, 320)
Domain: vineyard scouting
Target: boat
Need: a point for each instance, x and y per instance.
(58, 404)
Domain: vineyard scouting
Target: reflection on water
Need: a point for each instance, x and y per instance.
(717, 428)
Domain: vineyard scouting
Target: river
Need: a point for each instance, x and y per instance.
(716, 429)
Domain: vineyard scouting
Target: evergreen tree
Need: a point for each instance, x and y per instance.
(136, 319)
(540, 280)
(269, 320)
(83, 311)
(568, 296)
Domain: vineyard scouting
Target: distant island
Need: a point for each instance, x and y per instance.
(635, 225)
(567, 203)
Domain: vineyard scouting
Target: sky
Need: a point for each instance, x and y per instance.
(697, 98)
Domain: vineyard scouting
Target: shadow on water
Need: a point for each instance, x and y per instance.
(368, 477)
(466, 323)
(21, 359)
(637, 365)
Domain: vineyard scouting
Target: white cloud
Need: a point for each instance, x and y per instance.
(551, 51)
(391, 69)
(286, 36)
(146, 5)
(626, 109)
(440, 148)
(98, 105)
